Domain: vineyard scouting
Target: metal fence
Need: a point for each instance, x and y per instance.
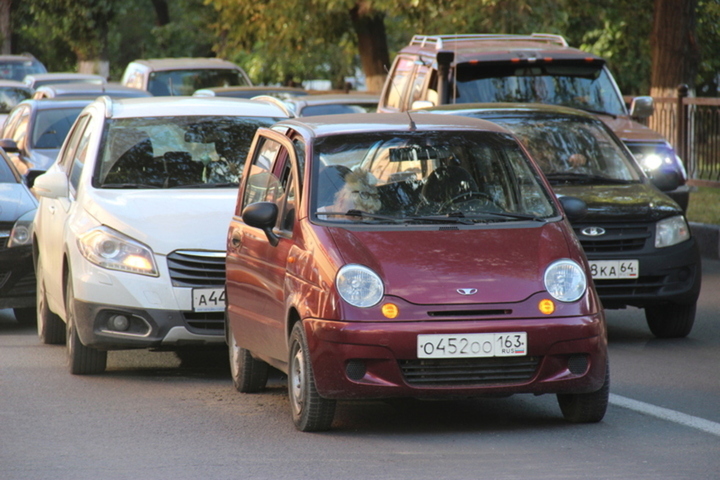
(692, 126)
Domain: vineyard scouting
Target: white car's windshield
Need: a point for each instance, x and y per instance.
(425, 176)
(171, 152)
(588, 87)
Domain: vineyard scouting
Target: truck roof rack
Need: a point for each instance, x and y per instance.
(440, 40)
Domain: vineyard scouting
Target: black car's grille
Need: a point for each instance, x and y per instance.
(617, 237)
(470, 371)
(197, 268)
(205, 322)
(5, 229)
(607, 289)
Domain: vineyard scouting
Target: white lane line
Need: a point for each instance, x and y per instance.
(666, 414)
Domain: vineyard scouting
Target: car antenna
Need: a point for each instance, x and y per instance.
(413, 127)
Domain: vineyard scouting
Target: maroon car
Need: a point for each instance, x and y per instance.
(383, 255)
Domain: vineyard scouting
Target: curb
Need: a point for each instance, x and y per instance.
(708, 239)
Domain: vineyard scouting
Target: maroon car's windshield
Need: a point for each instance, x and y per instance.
(386, 177)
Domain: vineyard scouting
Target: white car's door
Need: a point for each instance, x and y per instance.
(54, 210)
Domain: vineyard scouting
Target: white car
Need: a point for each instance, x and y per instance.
(131, 229)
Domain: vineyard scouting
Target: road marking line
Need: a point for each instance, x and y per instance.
(666, 414)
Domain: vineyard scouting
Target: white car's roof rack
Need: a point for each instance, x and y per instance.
(440, 40)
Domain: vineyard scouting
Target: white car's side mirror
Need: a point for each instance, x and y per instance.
(51, 185)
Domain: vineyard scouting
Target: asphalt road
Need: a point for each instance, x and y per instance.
(151, 417)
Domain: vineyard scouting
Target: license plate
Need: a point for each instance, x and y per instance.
(472, 345)
(610, 269)
(208, 299)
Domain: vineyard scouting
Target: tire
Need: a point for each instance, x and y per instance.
(586, 407)
(670, 320)
(51, 328)
(82, 360)
(310, 412)
(249, 375)
(25, 316)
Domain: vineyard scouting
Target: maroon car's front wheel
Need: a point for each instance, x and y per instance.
(586, 407)
(310, 411)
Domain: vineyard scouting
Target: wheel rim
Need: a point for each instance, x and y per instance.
(297, 371)
(234, 357)
(40, 300)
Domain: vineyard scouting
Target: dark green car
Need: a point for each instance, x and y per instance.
(636, 238)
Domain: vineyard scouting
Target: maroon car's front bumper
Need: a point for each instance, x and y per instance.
(379, 359)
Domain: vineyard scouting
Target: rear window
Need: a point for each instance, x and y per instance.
(587, 87)
(17, 69)
(185, 82)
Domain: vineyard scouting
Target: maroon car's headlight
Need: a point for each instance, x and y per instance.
(565, 280)
(359, 286)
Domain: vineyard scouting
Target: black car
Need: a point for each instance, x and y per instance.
(17, 275)
(636, 238)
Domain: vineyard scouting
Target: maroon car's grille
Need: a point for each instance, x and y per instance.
(470, 371)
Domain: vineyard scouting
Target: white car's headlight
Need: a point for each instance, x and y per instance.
(22, 232)
(565, 280)
(359, 286)
(113, 250)
(671, 231)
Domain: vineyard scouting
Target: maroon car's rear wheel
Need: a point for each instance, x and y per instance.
(249, 375)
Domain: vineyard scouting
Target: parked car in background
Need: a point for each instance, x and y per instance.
(328, 104)
(129, 235)
(539, 68)
(640, 247)
(11, 93)
(249, 92)
(182, 76)
(39, 79)
(35, 131)
(15, 67)
(377, 255)
(17, 277)
(88, 90)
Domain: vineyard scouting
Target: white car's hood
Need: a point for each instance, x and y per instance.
(167, 220)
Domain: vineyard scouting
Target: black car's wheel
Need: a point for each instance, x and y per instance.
(83, 360)
(249, 375)
(670, 320)
(51, 328)
(25, 316)
(310, 411)
(586, 407)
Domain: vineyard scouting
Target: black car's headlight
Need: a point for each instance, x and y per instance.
(671, 231)
(21, 233)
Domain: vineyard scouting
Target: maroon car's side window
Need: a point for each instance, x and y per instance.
(262, 184)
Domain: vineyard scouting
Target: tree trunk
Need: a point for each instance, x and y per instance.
(675, 52)
(369, 26)
(162, 12)
(5, 31)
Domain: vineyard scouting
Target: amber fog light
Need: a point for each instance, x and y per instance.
(546, 306)
(390, 310)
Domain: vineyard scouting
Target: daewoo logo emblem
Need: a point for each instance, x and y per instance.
(467, 291)
(593, 231)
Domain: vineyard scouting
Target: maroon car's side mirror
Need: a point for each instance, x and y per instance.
(262, 215)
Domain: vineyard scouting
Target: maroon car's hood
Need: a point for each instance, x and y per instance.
(630, 130)
(428, 267)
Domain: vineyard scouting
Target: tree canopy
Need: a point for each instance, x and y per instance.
(283, 42)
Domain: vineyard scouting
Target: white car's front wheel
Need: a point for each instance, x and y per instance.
(83, 360)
